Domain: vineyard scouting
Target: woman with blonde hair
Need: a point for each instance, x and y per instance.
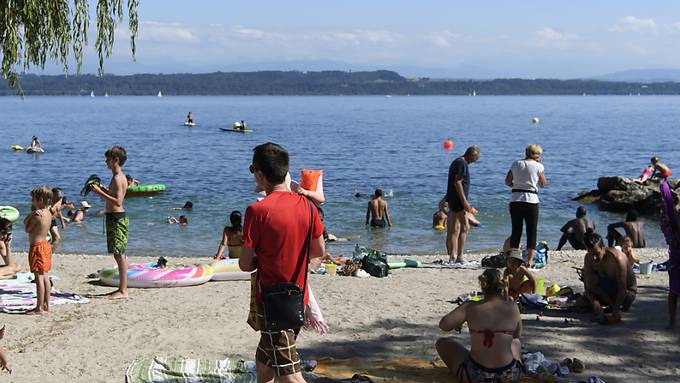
(495, 327)
(525, 177)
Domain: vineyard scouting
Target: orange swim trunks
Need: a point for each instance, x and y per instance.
(40, 257)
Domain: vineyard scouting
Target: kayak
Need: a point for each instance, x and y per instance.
(144, 190)
(236, 130)
(17, 147)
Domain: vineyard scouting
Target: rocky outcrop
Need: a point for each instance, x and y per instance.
(623, 194)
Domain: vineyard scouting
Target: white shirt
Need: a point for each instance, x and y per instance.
(525, 174)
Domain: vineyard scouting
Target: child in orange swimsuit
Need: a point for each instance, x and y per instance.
(37, 224)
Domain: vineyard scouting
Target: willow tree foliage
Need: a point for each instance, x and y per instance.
(35, 31)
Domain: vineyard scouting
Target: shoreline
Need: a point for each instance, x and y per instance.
(371, 318)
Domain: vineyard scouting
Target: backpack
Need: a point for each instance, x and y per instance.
(375, 263)
(541, 255)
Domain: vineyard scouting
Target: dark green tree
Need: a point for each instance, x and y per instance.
(35, 31)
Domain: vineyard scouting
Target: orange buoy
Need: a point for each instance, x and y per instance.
(448, 144)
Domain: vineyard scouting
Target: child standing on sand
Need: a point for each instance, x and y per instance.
(37, 224)
(116, 219)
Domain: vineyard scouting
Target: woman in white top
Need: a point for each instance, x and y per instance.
(525, 177)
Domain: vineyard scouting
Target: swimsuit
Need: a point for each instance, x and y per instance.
(40, 257)
(116, 232)
(234, 251)
(476, 373)
(378, 223)
(610, 287)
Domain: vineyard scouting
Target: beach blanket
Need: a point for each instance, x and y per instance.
(158, 369)
(471, 265)
(19, 297)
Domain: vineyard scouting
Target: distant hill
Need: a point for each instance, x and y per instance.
(379, 82)
(642, 75)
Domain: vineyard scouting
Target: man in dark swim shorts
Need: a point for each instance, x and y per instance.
(608, 279)
(377, 211)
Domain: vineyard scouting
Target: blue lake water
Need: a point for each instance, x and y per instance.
(362, 143)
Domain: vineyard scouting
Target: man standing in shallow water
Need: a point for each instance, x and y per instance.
(377, 211)
(457, 193)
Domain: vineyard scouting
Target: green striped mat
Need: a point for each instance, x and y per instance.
(179, 370)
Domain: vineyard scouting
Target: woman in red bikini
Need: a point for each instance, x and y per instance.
(495, 327)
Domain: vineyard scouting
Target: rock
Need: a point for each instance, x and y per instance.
(623, 194)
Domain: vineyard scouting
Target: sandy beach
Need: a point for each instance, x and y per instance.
(370, 318)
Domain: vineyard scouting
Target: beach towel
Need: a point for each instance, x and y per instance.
(407, 370)
(470, 265)
(158, 369)
(19, 297)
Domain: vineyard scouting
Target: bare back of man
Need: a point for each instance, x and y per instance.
(377, 210)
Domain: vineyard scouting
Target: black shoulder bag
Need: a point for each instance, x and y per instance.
(284, 302)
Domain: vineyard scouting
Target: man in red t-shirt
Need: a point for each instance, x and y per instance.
(274, 235)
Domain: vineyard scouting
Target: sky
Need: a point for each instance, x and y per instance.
(425, 38)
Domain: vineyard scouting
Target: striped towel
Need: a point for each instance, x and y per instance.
(179, 370)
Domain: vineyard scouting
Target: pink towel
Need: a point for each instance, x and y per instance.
(313, 317)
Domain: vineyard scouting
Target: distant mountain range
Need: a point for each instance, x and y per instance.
(642, 75)
(379, 82)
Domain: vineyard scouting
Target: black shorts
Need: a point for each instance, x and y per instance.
(378, 222)
(455, 206)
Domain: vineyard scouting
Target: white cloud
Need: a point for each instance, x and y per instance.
(443, 39)
(166, 32)
(257, 34)
(634, 24)
(549, 34)
(360, 36)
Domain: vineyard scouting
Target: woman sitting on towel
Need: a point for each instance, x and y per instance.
(495, 326)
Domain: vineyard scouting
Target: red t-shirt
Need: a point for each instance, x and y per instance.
(276, 228)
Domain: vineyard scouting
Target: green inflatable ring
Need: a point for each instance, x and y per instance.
(147, 188)
(9, 212)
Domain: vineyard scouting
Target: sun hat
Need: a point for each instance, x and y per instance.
(514, 253)
(85, 204)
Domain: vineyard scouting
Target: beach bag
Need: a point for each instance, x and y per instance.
(541, 255)
(494, 261)
(375, 263)
(284, 302)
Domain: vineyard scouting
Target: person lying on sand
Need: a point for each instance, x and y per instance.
(517, 277)
(608, 280)
(495, 327)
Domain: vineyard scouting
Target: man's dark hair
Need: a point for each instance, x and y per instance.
(654, 160)
(5, 226)
(580, 212)
(272, 160)
(631, 216)
(378, 193)
(472, 150)
(188, 205)
(592, 239)
(117, 152)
